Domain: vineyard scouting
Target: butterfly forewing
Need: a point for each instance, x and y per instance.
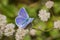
(23, 13)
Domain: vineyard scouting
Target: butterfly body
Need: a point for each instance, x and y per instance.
(25, 21)
(22, 20)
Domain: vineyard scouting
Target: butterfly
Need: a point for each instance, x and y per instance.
(23, 19)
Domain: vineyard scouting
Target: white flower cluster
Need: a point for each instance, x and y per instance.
(2, 24)
(32, 32)
(9, 29)
(49, 4)
(5, 29)
(2, 20)
(20, 33)
(1, 33)
(44, 15)
(57, 24)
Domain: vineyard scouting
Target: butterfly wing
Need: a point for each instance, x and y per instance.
(19, 21)
(30, 20)
(27, 22)
(23, 13)
(22, 17)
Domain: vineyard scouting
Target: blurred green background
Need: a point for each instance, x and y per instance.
(10, 8)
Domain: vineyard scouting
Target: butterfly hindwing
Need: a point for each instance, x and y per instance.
(19, 20)
(27, 22)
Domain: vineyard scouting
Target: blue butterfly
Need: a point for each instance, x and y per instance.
(22, 20)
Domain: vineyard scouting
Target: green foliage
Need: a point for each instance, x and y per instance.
(38, 23)
(57, 8)
(50, 24)
(38, 33)
(55, 33)
(56, 0)
(27, 37)
(4, 2)
(9, 10)
(39, 38)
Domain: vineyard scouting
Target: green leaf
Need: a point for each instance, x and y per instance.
(32, 12)
(27, 37)
(38, 33)
(57, 8)
(4, 2)
(39, 38)
(50, 24)
(54, 33)
(10, 20)
(38, 23)
(21, 5)
(9, 11)
(56, 0)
